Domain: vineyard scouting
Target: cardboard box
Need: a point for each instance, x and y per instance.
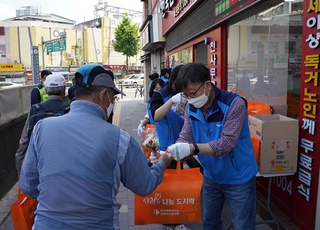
(279, 136)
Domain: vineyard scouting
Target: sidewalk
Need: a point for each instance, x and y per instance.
(127, 115)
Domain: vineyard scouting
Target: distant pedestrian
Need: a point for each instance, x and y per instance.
(75, 163)
(38, 93)
(54, 104)
(152, 77)
(71, 91)
(165, 74)
(156, 85)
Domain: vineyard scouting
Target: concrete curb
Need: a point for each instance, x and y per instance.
(6, 202)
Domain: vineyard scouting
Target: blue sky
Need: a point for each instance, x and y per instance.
(78, 10)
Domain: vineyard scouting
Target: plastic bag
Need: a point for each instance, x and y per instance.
(151, 141)
(179, 108)
(22, 211)
(141, 133)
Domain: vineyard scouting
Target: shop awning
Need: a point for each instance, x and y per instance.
(63, 73)
(12, 73)
(145, 57)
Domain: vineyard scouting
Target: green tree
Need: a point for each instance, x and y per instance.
(127, 42)
(79, 49)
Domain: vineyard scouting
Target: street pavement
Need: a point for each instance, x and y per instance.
(128, 112)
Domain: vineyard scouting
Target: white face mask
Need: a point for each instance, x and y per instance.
(109, 108)
(200, 101)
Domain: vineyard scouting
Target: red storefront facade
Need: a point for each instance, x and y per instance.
(277, 41)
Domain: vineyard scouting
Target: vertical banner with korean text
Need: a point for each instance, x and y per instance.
(306, 179)
(217, 57)
(35, 64)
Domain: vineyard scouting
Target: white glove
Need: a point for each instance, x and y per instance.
(140, 129)
(154, 159)
(179, 150)
(178, 98)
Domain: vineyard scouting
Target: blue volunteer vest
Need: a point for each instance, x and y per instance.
(152, 122)
(239, 165)
(169, 127)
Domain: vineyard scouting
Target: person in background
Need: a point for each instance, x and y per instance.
(71, 90)
(75, 163)
(165, 74)
(168, 123)
(216, 128)
(244, 84)
(55, 88)
(156, 85)
(261, 87)
(152, 77)
(38, 93)
(273, 86)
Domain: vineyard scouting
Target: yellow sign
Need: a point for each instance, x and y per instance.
(247, 63)
(11, 67)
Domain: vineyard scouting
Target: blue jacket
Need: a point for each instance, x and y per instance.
(239, 165)
(169, 127)
(74, 165)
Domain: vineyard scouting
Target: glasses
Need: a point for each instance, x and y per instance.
(192, 95)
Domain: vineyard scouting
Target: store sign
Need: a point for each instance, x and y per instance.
(145, 37)
(280, 64)
(114, 66)
(307, 177)
(3, 49)
(168, 4)
(10, 67)
(215, 58)
(173, 10)
(247, 63)
(35, 64)
(58, 69)
(180, 7)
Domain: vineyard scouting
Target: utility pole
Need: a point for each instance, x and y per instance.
(43, 49)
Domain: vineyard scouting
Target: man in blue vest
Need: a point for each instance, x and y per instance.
(216, 129)
(75, 163)
(38, 93)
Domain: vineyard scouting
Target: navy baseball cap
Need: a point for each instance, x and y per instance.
(105, 80)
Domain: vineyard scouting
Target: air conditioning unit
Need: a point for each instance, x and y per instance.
(16, 61)
(69, 55)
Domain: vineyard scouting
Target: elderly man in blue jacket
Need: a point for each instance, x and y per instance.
(216, 129)
(75, 163)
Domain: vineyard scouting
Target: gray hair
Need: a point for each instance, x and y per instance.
(55, 90)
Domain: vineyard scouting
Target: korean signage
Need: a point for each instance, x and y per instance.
(56, 46)
(112, 67)
(215, 57)
(35, 64)
(145, 37)
(10, 67)
(173, 10)
(3, 49)
(306, 179)
(223, 9)
(58, 69)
